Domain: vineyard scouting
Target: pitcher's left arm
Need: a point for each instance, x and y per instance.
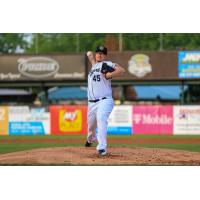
(118, 71)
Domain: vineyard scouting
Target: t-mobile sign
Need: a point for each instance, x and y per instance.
(153, 120)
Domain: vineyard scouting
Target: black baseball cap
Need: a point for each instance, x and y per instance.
(101, 49)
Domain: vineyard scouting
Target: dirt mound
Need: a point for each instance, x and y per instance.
(88, 156)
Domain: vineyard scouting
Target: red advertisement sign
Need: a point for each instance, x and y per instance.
(153, 120)
(68, 119)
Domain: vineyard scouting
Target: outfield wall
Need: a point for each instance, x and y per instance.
(124, 119)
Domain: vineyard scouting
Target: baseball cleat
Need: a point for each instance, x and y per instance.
(88, 144)
(102, 152)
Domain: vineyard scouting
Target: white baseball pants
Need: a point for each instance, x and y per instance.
(98, 114)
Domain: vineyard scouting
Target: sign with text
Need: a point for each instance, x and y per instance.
(189, 64)
(120, 120)
(187, 120)
(42, 68)
(25, 121)
(68, 119)
(153, 119)
(26, 128)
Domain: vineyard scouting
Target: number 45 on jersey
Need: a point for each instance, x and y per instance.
(96, 78)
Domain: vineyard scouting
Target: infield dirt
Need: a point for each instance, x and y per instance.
(89, 156)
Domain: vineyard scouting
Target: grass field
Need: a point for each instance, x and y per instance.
(20, 143)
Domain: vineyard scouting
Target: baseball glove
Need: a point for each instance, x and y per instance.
(106, 68)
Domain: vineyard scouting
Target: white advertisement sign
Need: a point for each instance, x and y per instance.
(187, 120)
(22, 120)
(18, 113)
(120, 120)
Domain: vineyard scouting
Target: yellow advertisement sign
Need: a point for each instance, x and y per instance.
(3, 120)
(70, 120)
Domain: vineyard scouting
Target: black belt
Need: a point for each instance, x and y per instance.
(96, 100)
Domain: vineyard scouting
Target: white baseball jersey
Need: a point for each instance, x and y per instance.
(98, 85)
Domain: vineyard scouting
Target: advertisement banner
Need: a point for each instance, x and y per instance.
(3, 120)
(68, 119)
(187, 120)
(23, 121)
(153, 120)
(189, 64)
(120, 120)
(42, 67)
(26, 128)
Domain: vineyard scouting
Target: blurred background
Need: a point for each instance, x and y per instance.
(51, 68)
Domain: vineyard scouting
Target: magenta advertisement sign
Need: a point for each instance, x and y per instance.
(153, 120)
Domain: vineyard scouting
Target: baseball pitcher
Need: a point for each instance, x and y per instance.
(100, 101)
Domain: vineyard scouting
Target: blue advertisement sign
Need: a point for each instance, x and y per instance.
(120, 130)
(189, 64)
(26, 128)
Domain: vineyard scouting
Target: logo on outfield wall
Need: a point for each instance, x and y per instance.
(188, 112)
(139, 65)
(38, 67)
(70, 120)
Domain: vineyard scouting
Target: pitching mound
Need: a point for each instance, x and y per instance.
(88, 156)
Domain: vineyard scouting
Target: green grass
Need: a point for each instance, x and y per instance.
(14, 147)
(155, 136)
(75, 136)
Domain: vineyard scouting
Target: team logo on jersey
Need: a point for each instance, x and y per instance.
(91, 72)
(139, 65)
